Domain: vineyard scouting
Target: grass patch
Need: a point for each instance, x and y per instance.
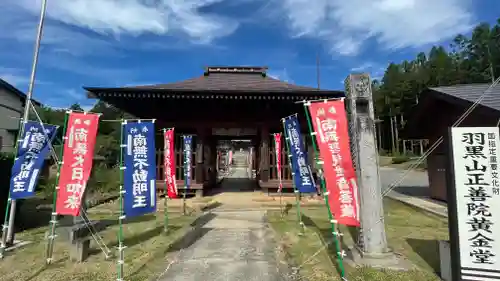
(410, 232)
(400, 159)
(145, 255)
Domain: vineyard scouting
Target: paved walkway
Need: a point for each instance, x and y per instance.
(237, 246)
(412, 190)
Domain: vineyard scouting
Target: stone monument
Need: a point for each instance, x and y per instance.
(78, 232)
(371, 248)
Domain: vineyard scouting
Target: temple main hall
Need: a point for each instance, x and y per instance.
(226, 107)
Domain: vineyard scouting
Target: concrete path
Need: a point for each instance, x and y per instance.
(415, 183)
(412, 190)
(236, 246)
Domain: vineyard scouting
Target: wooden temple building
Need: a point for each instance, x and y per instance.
(223, 103)
(438, 109)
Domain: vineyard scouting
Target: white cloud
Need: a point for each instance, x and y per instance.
(280, 75)
(362, 67)
(136, 17)
(64, 98)
(75, 95)
(17, 77)
(346, 25)
(13, 78)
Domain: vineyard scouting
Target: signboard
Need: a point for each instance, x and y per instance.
(169, 163)
(301, 171)
(33, 149)
(277, 148)
(234, 132)
(139, 177)
(330, 124)
(78, 155)
(188, 151)
(474, 203)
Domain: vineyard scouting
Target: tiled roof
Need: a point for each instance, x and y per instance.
(472, 92)
(227, 79)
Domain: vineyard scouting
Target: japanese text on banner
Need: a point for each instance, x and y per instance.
(277, 147)
(330, 124)
(475, 155)
(78, 154)
(140, 168)
(33, 149)
(188, 142)
(302, 174)
(169, 163)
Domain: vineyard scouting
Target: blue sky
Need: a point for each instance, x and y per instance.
(137, 42)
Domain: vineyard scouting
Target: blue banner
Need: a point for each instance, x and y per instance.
(33, 147)
(302, 174)
(188, 143)
(139, 179)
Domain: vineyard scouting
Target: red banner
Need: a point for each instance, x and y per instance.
(169, 163)
(330, 124)
(277, 147)
(78, 155)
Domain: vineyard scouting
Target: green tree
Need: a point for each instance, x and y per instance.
(473, 59)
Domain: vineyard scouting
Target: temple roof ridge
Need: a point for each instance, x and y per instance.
(250, 79)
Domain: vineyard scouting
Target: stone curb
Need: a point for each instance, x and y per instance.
(407, 201)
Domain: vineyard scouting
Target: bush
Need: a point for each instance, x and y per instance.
(46, 186)
(383, 152)
(400, 159)
(104, 179)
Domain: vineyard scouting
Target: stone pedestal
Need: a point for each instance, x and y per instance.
(384, 260)
(79, 250)
(77, 234)
(445, 260)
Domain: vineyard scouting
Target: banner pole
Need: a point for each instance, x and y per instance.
(281, 200)
(121, 247)
(27, 103)
(5, 227)
(165, 204)
(53, 220)
(336, 233)
(295, 190)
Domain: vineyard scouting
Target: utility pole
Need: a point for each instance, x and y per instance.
(317, 71)
(27, 106)
(490, 59)
(492, 72)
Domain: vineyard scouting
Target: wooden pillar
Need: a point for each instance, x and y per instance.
(264, 154)
(214, 159)
(210, 162)
(200, 163)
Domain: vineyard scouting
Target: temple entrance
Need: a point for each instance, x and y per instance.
(236, 171)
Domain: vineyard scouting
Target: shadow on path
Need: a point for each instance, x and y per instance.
(326, 236)
(188, 239)
(416, 191)
(234, 185)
